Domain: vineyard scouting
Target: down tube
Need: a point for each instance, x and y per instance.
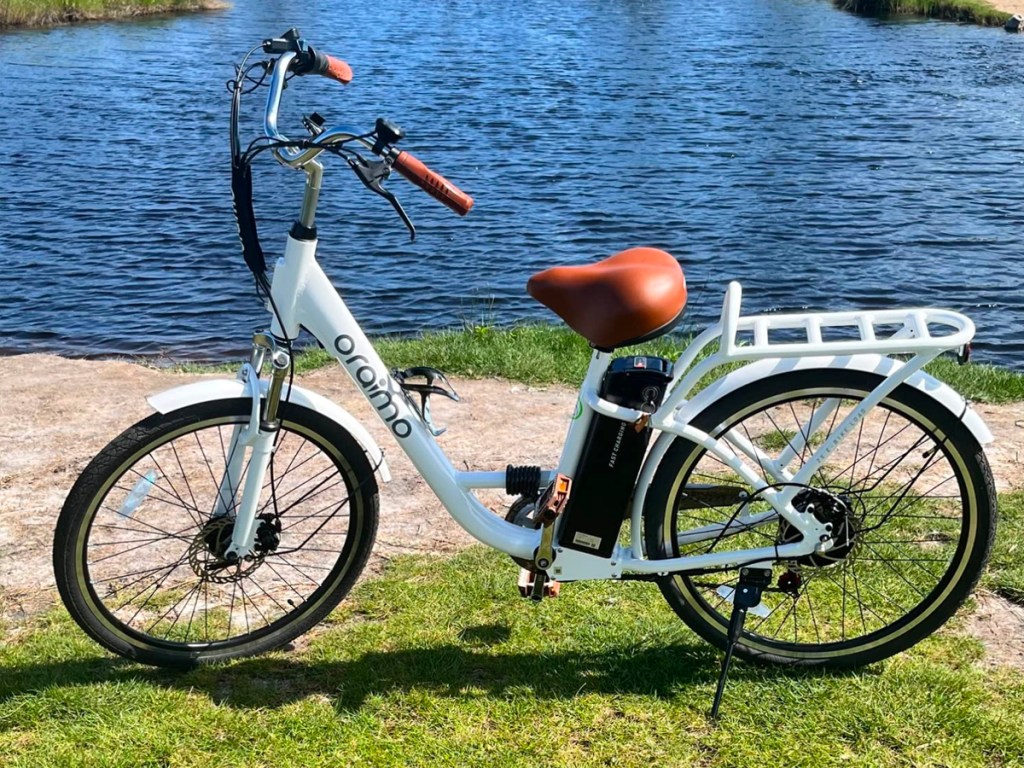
(323, 313)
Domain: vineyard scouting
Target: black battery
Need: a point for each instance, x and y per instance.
(611, 458)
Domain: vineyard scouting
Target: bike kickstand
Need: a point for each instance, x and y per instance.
(746, 595)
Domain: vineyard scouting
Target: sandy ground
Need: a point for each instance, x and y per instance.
(55, 414)
(1010, 6)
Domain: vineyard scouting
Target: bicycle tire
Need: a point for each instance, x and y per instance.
(970, 517)
(99, 596)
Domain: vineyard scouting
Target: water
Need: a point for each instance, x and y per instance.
(825, 160)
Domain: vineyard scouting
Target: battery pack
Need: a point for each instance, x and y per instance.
(611, 458)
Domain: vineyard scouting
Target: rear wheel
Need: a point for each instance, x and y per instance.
(139, 552)
(908, 491)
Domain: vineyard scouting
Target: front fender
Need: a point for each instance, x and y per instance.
(941, 393)
(230, 389)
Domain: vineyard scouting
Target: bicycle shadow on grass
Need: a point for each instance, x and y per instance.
(456, 670)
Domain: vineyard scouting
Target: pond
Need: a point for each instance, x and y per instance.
(823, 159)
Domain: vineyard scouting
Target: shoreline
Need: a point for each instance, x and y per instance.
(29, 14)
(21, 14)
(981, 12)
(537, 354)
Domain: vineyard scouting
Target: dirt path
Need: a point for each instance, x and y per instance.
(55, 414)
(1010, 6)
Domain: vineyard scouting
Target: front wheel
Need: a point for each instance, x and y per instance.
(139, 552)
(908, 491)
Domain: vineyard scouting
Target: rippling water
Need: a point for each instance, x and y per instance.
(825, 160)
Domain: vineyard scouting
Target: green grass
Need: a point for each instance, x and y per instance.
(534, 354)
(440, 663)
(975, 11)
(548, 354)
(43, 12)
(1005, 574)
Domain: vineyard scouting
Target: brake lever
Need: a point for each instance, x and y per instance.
(372, 174)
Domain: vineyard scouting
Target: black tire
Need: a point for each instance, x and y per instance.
(907, 530)
(151, 495)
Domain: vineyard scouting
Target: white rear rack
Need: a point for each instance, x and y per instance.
(839, 333)
(922, 333)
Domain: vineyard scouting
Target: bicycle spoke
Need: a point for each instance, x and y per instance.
(155, 552)
(890, 478)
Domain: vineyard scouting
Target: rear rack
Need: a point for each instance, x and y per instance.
(839, 333)
(806, 334)
(923, 334)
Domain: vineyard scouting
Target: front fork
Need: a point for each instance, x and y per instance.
(258, 438)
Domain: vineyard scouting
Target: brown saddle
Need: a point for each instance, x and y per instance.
(633, 296)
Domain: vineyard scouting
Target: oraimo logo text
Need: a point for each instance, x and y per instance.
(380, 392)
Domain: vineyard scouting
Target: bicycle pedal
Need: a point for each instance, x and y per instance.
(537, 589)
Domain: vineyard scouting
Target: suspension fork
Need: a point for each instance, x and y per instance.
(259, 437)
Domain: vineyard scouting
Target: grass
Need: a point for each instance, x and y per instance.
(440, 663)
(45, 12)
(975, 11)
(547, 354)
(1005, 574)
(534, 354)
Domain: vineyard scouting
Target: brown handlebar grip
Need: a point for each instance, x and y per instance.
(338, 70)
(434, 184)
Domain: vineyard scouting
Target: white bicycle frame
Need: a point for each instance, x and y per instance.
(305, 298)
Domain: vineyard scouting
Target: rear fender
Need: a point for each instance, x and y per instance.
(230, 389)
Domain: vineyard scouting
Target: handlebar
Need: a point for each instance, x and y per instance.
(291, 156)
(338, 70)
(431, 182)
(332, 67)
